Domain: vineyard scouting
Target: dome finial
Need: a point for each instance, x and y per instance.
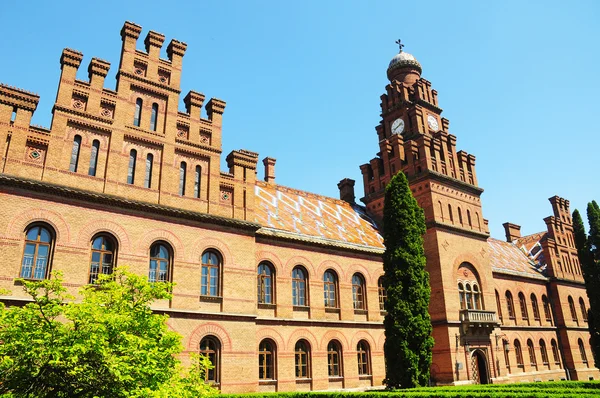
(399, 43)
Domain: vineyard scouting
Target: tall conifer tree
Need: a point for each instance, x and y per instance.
(408, 342)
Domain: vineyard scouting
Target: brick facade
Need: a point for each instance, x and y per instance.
(129, 167)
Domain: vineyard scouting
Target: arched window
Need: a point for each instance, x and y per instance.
(148, 176)
(499, 307)
(131, 167)
(531, 350)
(137, 117)
(382, 294)
(506, 356)
(75, 153)
(334, 359)
(266, 360)
(160, 263)
(462, 296)
(547, 312)
(94, 158)
(363, 353)
(182, 173)
(544, 352)
(518, 353)
(210, 347)
(469, 218)
(302, 359)
(450, 213)
(478, 221)
(572, 308)
(523, 305)
(358, 292)
(299, 283)
(197, 182)
(265, 283)
(330, 284)
(555, 353)
(582, 351)
(510, 305)
(37, 254)
(534, 306)
(103, 257)
(211, 267)
(583, 309)
(441, 210)
(477, 298)
(154, 116)
(460, 220)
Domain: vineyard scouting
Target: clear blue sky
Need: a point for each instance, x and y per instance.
(517, 79)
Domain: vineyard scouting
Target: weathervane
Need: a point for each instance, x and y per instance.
(399, 43)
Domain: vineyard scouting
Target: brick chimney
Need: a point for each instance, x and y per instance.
(346, 187)
(513, 231)
(269, 169)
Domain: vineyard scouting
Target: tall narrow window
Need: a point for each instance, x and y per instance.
(477, 298)
(382, 294)
(534, 306)
(450, 213)
(519, 353)
(160, 259)
(299, 287)
(469, 218)
(531, 351)
(460, 220)
(499, 307)
(302, 359)
(211, 267)
(75, 154)
(265, 283)
(131, 168)
(462, 298)
(148, 176)
(547, 312)
(544, 352)
(469, 296)
(37, 253)
(182, 172)
(137, 117)
(572, 308)
(154, 116)
(210, 347)
(583, 309)
(510, 305)
(582, 351)
(358, 292)
(363, 353)
(330, 289)
(334, 355)
(94, 158)
(197, 182)
(523, 305)
(266, 360)
(103, 257)
(555, 353)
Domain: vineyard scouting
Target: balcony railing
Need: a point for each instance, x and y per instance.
(478, 316)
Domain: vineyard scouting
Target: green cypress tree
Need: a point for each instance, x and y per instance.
(408, 340)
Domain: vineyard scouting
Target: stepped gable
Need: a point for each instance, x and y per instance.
(314, 216)
(508, 258)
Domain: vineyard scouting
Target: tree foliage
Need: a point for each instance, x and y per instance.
(408, 342)
(108, 344)
(588, 250)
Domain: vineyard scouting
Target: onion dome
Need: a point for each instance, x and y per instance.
(403, 65)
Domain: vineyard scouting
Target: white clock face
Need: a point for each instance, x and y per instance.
(432, 122)
(398, 126)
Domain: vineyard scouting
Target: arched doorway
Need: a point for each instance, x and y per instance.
(480, 368)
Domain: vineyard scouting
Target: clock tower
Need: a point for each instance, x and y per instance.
(414, 138)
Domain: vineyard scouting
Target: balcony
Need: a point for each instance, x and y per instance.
(483, 320)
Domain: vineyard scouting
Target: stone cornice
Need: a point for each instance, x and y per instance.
(429, 106)
(85, 115)
(463, 231)
(122, 203)
(148, 82)
(196, 145)
(453, 182)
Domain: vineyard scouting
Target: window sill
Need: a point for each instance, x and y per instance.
(267, 382)
(19, 281)
(332, 310)
(211, 299)
(302, 308)
(365, 377)
(360, 312)
(336, 378)
(265, 306)
(303, 381)
(383, 312)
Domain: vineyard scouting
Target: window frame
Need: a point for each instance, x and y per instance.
(267, 368)
(544, 353)
(37, 244)
(131, 166)
(519, 354)
(93, 277)
(555, 353)
(205, 288)
(531, 352)
(583, 309)
(330, 287)
(363, 352)
(94, 153)
(300, 285)
(302, 350)
(159, 260)
(523, 305)
(262, 287)
(535, 307)
(359, 292)
(334, 359)
(573, 310)
(382, 294)
(215, 352)
(75, 154)
(154, 117)
(510, 305)
(137, 116)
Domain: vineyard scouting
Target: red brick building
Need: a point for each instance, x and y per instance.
(280, 287)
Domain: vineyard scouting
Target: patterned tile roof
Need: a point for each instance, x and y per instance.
(304, 213)
(507, 258)
(532, 245)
